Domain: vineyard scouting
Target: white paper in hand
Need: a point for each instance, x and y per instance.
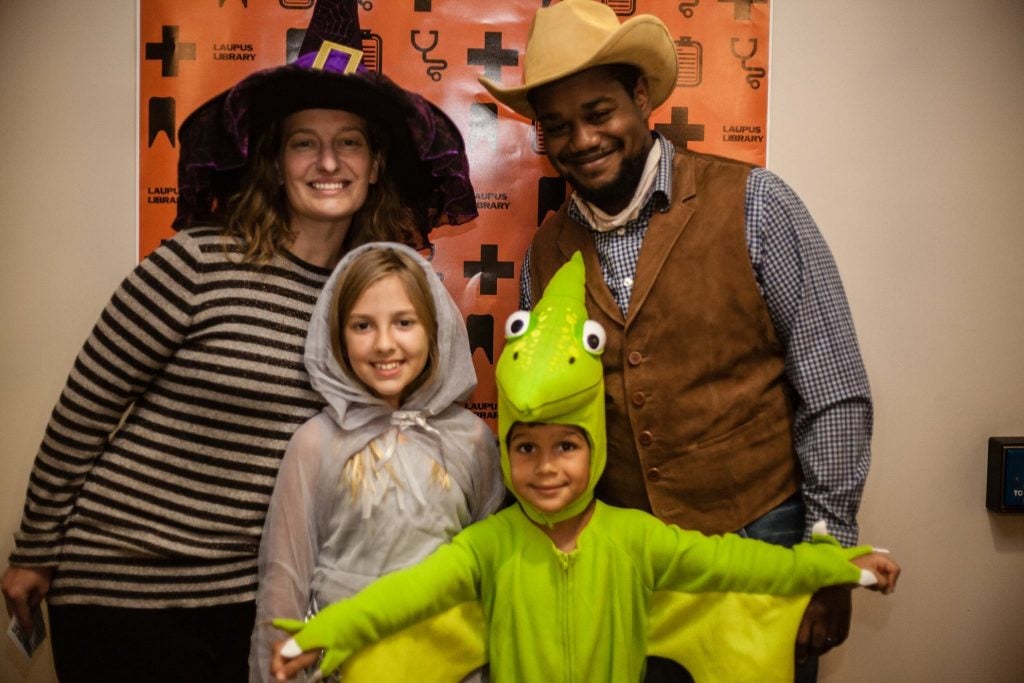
(28, 641)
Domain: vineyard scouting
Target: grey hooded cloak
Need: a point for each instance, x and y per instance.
(327, 536)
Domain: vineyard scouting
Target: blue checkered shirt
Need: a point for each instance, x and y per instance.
(800, 284)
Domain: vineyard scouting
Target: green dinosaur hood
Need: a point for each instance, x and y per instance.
(550, 372)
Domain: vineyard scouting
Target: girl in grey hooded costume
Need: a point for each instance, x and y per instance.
(427, 471)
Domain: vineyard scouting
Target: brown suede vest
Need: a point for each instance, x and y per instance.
(699, 411)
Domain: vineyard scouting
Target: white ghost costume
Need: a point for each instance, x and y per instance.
(422, 474)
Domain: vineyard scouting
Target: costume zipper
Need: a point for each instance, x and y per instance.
(568, 632)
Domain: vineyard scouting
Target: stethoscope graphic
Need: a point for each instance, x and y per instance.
(754, 73)
(686, 7)
(435, 66)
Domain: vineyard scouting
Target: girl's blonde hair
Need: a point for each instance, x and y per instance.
(257, 215)
(366, 269)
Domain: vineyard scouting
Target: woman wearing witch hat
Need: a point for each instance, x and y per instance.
(148, 495)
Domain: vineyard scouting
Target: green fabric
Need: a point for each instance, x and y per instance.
(548, 374)
(586, 615)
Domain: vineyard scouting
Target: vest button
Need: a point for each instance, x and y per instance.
(639, 399)
(635, 358)
(653, 474)
(646, 438)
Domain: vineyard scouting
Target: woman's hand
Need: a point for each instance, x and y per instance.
(24, 588)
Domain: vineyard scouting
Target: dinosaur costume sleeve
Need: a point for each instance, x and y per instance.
(725, 607)
(431, 607)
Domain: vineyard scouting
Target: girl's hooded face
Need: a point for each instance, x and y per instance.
(388, 345)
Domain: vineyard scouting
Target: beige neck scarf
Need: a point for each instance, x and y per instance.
(602, 222)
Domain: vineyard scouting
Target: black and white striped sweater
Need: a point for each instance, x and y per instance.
(201, 357)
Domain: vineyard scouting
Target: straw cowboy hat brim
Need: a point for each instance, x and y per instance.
(575, 35)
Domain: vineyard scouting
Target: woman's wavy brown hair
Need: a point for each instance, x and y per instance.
(257, 215)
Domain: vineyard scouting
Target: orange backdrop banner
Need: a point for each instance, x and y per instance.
(191, 50)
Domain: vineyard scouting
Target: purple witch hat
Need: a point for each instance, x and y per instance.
(426, 155)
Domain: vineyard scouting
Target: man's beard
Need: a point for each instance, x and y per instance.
(619, 191)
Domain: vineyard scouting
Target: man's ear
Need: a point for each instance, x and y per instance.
(642, 96)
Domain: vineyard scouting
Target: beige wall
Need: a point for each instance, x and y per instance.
(897, 122)
(67, 181)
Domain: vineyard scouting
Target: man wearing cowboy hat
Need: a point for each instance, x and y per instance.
(737, 399)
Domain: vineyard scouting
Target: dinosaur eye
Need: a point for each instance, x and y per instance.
(517, 324)
(593, 337)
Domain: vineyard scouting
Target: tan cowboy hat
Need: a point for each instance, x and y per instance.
(574, 35)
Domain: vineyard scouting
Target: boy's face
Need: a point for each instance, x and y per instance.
(549, 464)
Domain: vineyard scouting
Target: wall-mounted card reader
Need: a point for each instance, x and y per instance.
(1005, 474)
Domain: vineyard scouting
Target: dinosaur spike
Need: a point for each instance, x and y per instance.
(568, 282)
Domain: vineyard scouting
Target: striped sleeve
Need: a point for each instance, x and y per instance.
(138, 332)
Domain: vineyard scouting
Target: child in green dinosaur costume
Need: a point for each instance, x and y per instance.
(572, 589)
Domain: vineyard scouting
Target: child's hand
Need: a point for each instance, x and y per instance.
(885, 570)
(285, 668)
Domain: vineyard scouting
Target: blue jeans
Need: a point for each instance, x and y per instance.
(784, 525)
